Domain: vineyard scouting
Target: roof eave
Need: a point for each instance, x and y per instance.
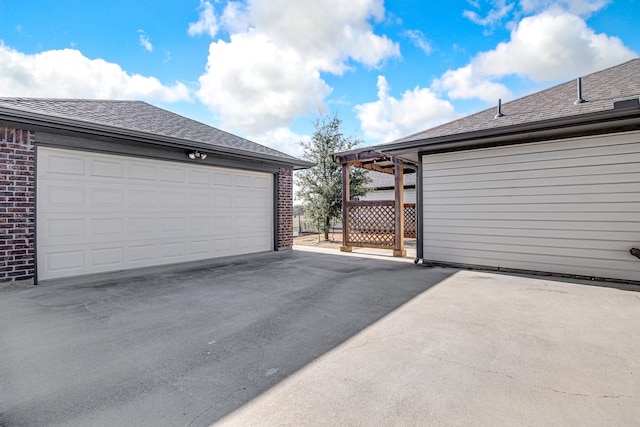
(35, 121)
(503, 135)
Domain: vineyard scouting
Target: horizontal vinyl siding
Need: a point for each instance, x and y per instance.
(378, 195)
(569, 207)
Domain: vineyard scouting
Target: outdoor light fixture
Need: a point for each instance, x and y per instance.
(197, 155)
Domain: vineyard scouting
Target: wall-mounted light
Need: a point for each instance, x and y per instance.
(197, 155)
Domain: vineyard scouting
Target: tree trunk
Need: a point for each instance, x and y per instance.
(327, 225)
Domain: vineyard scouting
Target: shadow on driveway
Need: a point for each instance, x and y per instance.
(185, 348)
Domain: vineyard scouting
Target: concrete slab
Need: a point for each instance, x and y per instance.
(186, 346)
(308, 338)
(477, 349)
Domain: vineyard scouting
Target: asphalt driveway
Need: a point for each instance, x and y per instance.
(302, 338)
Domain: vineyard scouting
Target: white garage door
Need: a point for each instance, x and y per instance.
(570, 207)
(98, 212)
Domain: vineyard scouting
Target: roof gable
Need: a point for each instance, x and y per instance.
(600, 90)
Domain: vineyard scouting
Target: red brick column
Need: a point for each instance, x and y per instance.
(284, 209)
(17, 205)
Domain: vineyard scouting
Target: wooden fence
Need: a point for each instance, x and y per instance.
(372, 223)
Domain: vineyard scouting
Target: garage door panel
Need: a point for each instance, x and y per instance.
(63, 261)
(65, 228)
(223, 246)
(63, 196)
(243, 181)
(141, 254)
(198, 247)
(222, 179)
(262, 183)
(243, 201)
(172, 200)
(172, 250)
(106, 169)
(202, 178)
(141, 172)
(63, 164)
(112, 257)
(106, 198)
(128, 212)
(107, 227)
(172, 175)
(573, 208)
(141, 199)
(199, 201)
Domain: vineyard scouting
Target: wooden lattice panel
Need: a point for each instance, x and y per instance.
(371, 224)
(410, 220)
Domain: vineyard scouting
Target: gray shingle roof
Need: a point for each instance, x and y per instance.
(139, 116)
(600, 89)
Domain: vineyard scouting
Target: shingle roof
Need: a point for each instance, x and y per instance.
(600, 89)
(139, 116)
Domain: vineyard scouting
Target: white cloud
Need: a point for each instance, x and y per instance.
(389, 118)
(550, 46)
(500, 9)
(282, 139)
(269, 71)
(419, 40)
(255, 85)
(207, 22)
(68, 74)
(235, 17)
(326, 32)
(145, 42)
(467, 82)
(582, 8)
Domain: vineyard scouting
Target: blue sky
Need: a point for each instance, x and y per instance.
(264, 69)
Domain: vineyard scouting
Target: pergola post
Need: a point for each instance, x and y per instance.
(345, 209)
(398, 249)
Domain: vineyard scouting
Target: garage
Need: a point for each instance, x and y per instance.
(99, 186)
(548, 183)
(99, 212)
(569, 207)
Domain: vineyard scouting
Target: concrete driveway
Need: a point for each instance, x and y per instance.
(302, 338)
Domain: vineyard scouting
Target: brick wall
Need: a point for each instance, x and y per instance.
(17, 205)
(284, 208)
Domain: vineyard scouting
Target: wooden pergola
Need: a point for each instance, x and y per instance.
(377, 224)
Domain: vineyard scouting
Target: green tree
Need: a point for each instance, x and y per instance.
(320, 188)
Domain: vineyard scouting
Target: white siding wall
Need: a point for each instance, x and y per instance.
(409, 195)
(99, 212)
(569, 206)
